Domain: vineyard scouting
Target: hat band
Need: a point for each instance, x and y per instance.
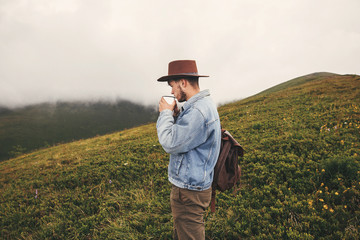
(183, 73)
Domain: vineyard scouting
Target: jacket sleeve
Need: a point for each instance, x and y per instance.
(188, 133)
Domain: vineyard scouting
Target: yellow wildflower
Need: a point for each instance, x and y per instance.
(342, 142)
(326, 206)
(326, 188)
(321, 200)
(331, 210)
(336, 193)
(345, 206)
(322, 184)
(320, 191)
(310, 202)
(322, 170)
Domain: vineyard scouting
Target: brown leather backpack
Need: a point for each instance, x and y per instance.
(227, 171)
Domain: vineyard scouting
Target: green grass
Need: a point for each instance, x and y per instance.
(301, 175)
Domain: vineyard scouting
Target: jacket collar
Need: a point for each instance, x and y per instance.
(195, 98)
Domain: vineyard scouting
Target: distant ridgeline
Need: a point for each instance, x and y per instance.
(300, 80)
(42, 125)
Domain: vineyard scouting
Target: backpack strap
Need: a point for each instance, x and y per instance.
(213, 196)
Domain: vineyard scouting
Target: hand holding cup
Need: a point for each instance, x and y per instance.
(167, 102)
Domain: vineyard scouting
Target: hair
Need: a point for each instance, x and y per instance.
(194, 81)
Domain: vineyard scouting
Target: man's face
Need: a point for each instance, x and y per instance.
(177, 90)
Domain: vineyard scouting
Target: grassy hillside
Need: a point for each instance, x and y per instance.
(32, 127)
(301, 175)
(299, 81)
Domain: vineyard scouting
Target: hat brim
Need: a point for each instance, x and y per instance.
(171, 77)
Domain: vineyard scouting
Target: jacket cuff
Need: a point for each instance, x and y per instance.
(166, 112)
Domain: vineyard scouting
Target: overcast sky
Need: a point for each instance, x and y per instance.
(89, 50)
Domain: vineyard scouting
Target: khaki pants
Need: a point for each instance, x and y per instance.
(188, 208)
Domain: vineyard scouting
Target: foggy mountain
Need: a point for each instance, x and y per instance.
(35, 126)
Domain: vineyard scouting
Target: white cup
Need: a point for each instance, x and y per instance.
(169, 99)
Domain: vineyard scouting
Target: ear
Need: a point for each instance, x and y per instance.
(183, 83)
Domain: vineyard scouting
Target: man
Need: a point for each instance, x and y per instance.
(192, 136)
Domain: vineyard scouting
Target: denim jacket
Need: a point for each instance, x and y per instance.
(193, 141)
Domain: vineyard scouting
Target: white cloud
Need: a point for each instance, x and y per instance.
(107, 49)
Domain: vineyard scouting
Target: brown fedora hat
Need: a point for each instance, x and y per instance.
(181, 68)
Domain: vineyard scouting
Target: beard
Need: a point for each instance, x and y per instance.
(182, 96)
